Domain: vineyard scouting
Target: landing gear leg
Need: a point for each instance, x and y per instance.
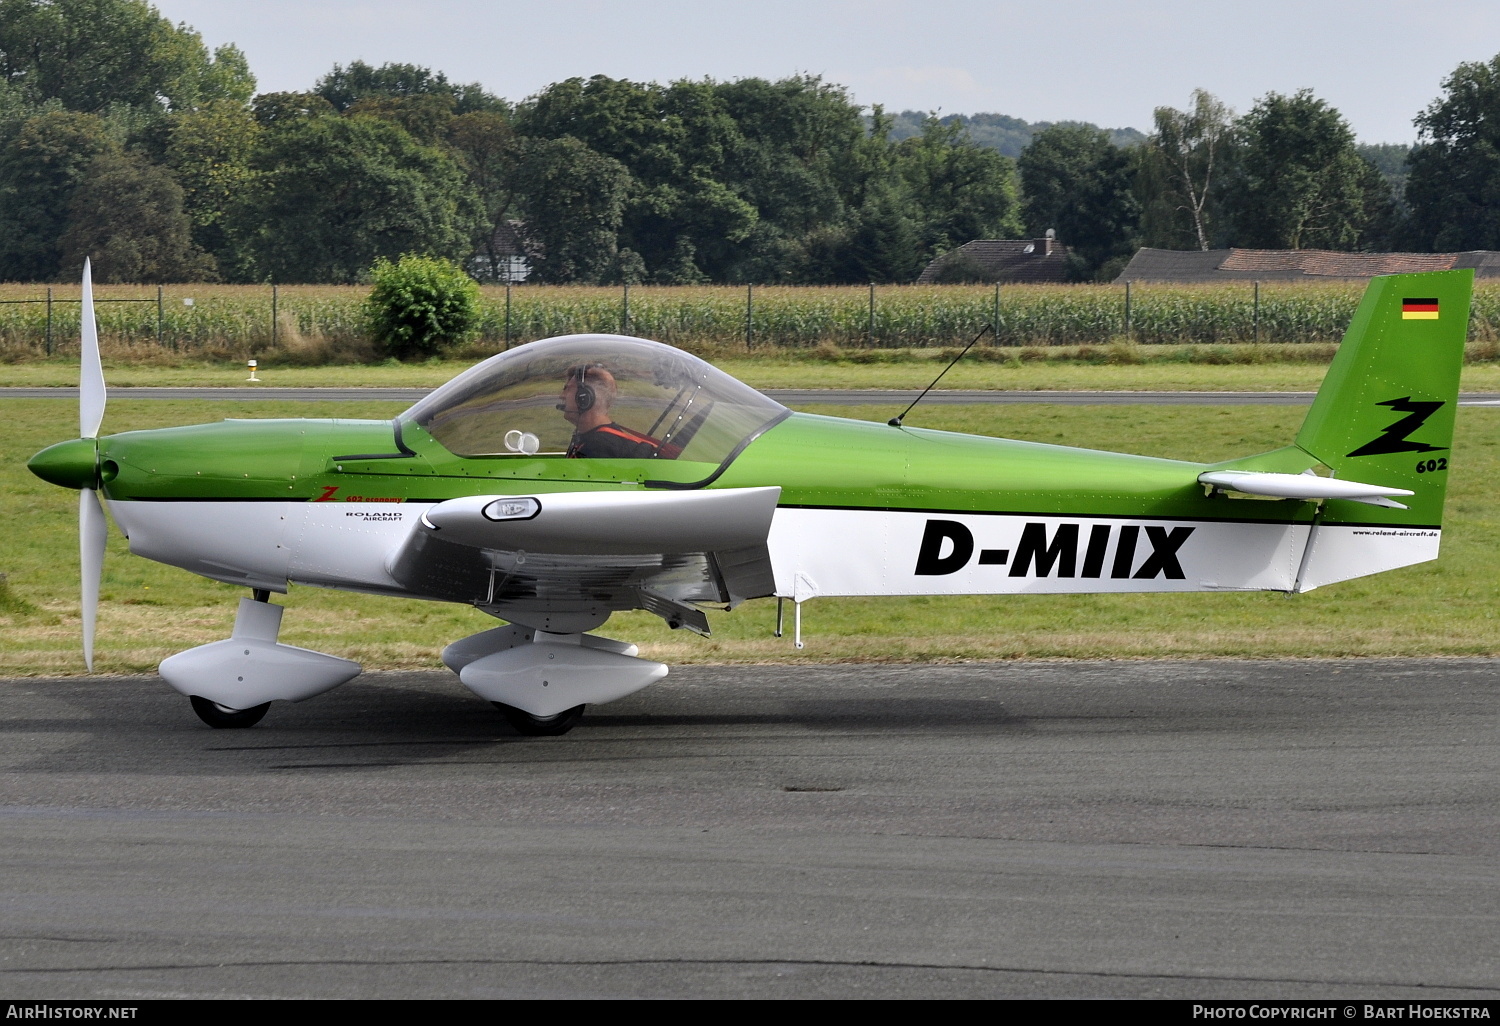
(539, 726)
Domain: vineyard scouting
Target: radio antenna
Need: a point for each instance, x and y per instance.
(896, 421)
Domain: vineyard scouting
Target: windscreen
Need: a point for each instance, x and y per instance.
(527, 401)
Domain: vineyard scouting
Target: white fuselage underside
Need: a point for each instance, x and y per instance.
(827, 552)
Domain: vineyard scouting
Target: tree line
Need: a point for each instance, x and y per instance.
(124, 138)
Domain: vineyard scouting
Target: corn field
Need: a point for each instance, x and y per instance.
(327, 322)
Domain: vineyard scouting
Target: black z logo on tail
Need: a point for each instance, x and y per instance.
(1393, 438)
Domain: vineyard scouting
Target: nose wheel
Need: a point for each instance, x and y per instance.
(223, 717)
(540, 726)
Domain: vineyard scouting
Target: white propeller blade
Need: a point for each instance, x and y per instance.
(91, 373)
(93, 529)
(93, 532)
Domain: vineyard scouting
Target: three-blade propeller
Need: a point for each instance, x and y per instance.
(93, 530)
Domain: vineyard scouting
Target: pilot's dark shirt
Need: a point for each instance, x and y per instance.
(613, 442)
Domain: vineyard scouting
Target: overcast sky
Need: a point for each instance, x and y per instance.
(1378, 61)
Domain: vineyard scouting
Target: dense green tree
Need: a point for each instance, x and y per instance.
(209, 152)
(344, 87)
(575, 200)
(957, 192)
(803, 162)
(332, 195)
(129, 221)
(710, 216)
(46, 160)
(1390, 160)
(1000, 132)
(89, 54)
(1079, 183)
(627, 268)
(1178, 171)
(885, 245)
(427, 119)
(490, 152)
(1300, 183)
(806, 155)
(675, 142)
(1454, 184)
(280, 109)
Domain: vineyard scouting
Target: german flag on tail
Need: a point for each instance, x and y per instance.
(1419, 309)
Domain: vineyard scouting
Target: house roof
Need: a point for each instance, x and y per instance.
(1295, 264)
(507, 240)
(1007, 260)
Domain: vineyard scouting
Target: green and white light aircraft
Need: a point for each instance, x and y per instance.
(569, 478)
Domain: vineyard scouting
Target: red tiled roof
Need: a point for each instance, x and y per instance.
(1329, 263)
(1295, 264)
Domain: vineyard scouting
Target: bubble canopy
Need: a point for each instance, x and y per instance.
(511, 404)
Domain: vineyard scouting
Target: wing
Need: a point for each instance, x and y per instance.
(573, 557)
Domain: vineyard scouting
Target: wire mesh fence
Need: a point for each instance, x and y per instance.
(325, 321)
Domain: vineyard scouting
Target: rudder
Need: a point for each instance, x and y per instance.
(1385, 412)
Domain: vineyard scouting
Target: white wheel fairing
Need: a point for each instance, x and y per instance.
(241, 674)
(499, 639)
(249, 668)
(549, 677)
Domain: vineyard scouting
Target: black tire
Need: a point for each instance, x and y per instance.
(222, 717)
(542, 726)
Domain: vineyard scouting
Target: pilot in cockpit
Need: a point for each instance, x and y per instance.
(587, 395)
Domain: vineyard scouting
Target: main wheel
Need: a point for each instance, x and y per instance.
(542, 726)
(221, 716)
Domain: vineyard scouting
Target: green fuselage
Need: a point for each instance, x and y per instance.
(817, 461)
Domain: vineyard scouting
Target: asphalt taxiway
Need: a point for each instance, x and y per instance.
(1296, 829)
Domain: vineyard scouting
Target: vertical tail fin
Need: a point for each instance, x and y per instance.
(1386, 409)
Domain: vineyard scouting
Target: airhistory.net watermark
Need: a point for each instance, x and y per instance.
(53, 1010)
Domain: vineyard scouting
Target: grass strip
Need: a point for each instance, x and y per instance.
(760, 373)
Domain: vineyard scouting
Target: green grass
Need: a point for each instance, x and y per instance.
(764, 373)
(149, 611)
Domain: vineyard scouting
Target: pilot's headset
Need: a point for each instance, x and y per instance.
(584, 396)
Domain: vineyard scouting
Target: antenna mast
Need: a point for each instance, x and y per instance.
(896, 421)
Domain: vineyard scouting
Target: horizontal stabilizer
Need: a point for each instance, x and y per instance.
(1301, 486)
(608, 523)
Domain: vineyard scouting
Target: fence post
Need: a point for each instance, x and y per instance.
(507, 315)
(749, 314)
(1127, 311)
(625, 312)
(1257, 311)
(995, 320)
(159, 317)
(870, 334)
(49, 320)
(274, 298)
